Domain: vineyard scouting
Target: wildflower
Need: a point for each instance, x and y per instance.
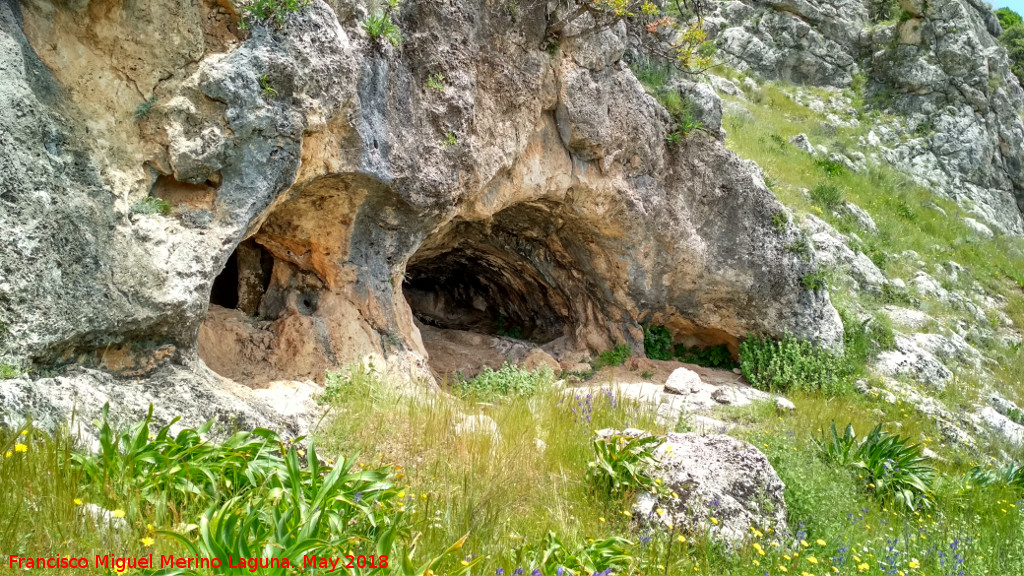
(660, 511)
(78, 501)
(812, 559)
(7, 454)
(19, 447)
(863, 566)
(757, 547)
(24, 432)
(714, 521)
(118, 513)
(756, 563)
(783, 568)
(804, 543)
(560, 571)
(601, 519)
(147, 541)
(820, 542)
(680, 538)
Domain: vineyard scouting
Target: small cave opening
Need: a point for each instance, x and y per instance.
(244, 280)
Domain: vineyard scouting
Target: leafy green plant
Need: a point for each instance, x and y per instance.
(450, 139)
(827, 195)
(780, 221)
(614, 357)
(813, 281)
(835, 449)
(151, 205)
(791, 364)
(658, 343)
(1010, 475)
(712, 357)
(379, 23)
(143, 110)
(8, 371)
(436, 81)
(621, 465)
(508, 381)
(552, 557)
(267, 88)
(182, 467)
(896, 469)
(262, 10)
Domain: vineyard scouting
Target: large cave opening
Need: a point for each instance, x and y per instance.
(478, 286)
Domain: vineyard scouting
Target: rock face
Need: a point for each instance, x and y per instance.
(322, 195)
(715, 476)
(941, 72)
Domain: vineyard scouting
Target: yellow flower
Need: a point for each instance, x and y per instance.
(7, 454)
(601, 519)
(783, 568)
(150, 528)
(680, 538)
(914, 564)
(24, 432)
(19, 447)
(464, 563)
(118, 513)
(660, 511)
(401, 494)
(863, 566)
(820, 542)
(147, 541)
(714, 521)
(78, 501)
(758, 548)
(804, 543)
(812, 559)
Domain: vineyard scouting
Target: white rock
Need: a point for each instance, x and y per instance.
(683, 381)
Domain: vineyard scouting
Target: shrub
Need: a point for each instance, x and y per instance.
(621, 464)
(712, 357)
(657, 343)
(827, 195)
(830, 167)
(883, 10)
(151, 205)
(864, 340)
(510, 380)
(379, 25)
(614, 357)
(791, 364)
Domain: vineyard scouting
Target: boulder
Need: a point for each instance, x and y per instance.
(911, 361)
(683, 381)
(714, 483)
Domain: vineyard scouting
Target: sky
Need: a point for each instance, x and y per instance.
(1015, 5)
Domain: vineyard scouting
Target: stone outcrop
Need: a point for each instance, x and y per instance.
(304, 182)
(940, 70)
(717, 484)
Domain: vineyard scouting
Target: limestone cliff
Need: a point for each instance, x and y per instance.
(284, 198)
(938, 69)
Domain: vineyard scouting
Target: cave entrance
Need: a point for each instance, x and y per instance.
(244, 280)
(519, 275)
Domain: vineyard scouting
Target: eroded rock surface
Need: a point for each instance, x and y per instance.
(323, 196)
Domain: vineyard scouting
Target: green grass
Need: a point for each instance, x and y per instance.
(151, 205)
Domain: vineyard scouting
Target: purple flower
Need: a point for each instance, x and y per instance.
(499, 571)
(560, 571)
